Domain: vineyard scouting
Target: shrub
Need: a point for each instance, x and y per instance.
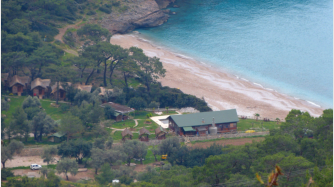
(64, 107)
(116, 3)
(6, 173)
(105, 9)
(109, 112)
(91, 12)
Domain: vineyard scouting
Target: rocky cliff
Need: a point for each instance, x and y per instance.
(140, 13)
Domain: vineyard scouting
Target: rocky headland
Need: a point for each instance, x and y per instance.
(140, 13)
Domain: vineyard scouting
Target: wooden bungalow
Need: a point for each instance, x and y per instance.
(160, 133)
(143, 135)
(57, 137)
(127, 134)
(40, 87)
(19, 84)
(199, 123)
(121, 111)
(62, 91)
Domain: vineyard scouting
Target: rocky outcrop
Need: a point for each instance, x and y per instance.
(164, 3)
(140, 13)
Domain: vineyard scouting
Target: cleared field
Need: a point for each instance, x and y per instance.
(239, 141)
(246, 124)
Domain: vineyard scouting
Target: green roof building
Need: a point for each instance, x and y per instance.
(199, 123)
(57, 137)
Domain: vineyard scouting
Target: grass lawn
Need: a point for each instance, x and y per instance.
(151, 127)
(17, 101)
(246, 124)
(123, 124)
(149, 158)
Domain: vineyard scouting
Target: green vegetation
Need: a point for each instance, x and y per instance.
(246, 124)
(130, 123)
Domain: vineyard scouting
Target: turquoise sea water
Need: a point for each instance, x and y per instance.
(286, 45)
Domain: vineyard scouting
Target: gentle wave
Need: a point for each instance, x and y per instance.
(313, 104)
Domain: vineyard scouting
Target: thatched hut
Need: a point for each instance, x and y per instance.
(160, 133)
(127, 134)
(87, 88)
(61, 89)
(40, 87)
(143, 135)
(18, 84)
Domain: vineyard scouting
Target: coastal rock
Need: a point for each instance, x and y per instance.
(164, 3)
(141, 13)
(166, 11)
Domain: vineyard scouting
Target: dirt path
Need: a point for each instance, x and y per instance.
(25, 161)
(241, 141)
(80, 175)
(136, 122)
(63, 30)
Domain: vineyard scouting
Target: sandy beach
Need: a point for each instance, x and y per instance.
(220, 89)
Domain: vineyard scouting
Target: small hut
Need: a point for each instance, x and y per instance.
(62, 91)
(126, 134)
(160, 133)
(87, 88)
(18, 84)
(121, 111)
(143, 135)
(40, 87)
(57, 137)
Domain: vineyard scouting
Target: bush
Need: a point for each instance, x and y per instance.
(6, 173)
(58, 42)
(125, 179)
(105, 10)
(116, 3)
(109, 112)
(64, 107)
(91, 12)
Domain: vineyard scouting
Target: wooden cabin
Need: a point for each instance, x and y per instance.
(121, 111)
(127, 134)
(199, 123)
(160, 133)
(62, 91)
(19, 84)
(143, 135)
(40, 87)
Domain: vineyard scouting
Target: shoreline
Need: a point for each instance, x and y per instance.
(220, 89)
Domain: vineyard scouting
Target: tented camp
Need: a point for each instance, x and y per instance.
(57, 137)
(143, 135)
(18, 84)
(40, 87)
